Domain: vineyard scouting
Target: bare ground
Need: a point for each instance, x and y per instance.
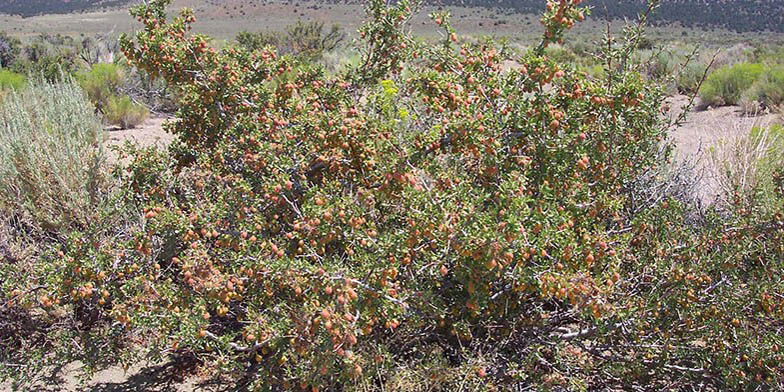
(693, 140)
(150, 133)
(705, 130)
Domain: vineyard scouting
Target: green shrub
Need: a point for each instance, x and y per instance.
(308, 41)
(690, 77)
(50, 155)
(257, 40)
(11, 80)
(50, 56)
(596, 72)
(561, 54)
(726, 85)
(662, 64)
(768, 90)
(124, 112)
(101, 83)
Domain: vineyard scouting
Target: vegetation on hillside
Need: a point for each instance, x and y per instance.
(735, 15)
(39, 7)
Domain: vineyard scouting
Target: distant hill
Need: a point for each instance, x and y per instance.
(39, 7)
(736, 15)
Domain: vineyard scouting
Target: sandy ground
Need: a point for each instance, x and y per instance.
(142, 377)
(150, 133)
(693, 139)
(706, 130)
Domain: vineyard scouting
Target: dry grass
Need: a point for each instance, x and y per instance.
(743, 161)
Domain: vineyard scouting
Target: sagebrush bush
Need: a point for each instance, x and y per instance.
(423, 215)
(725, 85)
(768, 90)
(49, 56)
(122, 111)
(308, 41)
(50, 155)
(101, 83)
(689, 78)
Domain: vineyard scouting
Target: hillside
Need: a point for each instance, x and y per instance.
(735, 15)
(38, 7)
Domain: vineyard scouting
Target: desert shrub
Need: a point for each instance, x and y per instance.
(689, 78)
(11, 80)
(596, 72)
(422, 216)
(561, 54)
(49, 56)
(308, 41)
(50, 156)
(101, 83)
(583, 49)
(104, 84)
(10, 48)
(662, 64)
(768, 90)
(736, 54)
(257, 40)
(745, 161)
(124, 112)
(726, 85)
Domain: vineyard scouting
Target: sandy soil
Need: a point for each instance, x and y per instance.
(705, 130)
(150, 133)
(166, 377)
(693, 139)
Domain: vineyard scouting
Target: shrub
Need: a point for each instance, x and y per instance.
(50, 56)
(124, 112)
(662, 64)
(257, 40)
(689, 78)
(726, 84)
(422, 213)
(101, 83)
(768, 90)
(11, 80)
(10, 48)
(596, 72)
(745, 163)
(561, 54)
(309, 41)
(50, 156)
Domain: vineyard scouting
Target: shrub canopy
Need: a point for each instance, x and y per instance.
(423, 214)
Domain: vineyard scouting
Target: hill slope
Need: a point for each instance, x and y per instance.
(737, 15)
(38, 7)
